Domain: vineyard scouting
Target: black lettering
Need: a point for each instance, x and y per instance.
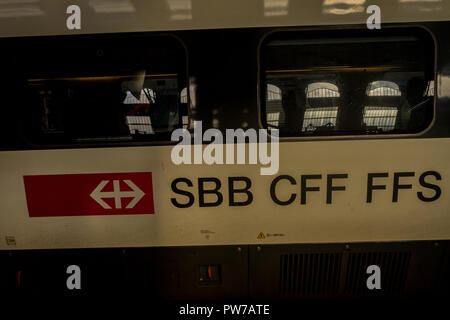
(182, 192)
(202, 192)
(436, 188)
(305, 188)
(331, 188)
(398, 186)
(371, 187)
(273, 194)
(232, 191)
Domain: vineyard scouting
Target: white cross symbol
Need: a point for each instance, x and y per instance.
(98, 195)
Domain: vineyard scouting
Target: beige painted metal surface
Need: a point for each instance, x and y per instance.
(48, 17)
(348, 219)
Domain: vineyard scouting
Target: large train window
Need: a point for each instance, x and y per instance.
(95, 89)
(347, 82)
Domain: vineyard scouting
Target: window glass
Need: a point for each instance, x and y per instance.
(274, 108)
(347, 82)
(98, 89)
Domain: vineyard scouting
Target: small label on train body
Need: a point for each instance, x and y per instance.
(89, 194)
(240, 193)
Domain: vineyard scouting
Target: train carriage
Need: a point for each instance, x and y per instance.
(354, 119)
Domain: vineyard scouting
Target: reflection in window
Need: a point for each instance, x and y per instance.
(322, 90)
(186, 121)
(383, 89)
(124, 89)
(273, 93)
(320, 112)
(145, 97)
(139, 125)
(183, 95)
(153, 108)
(430, 89)
(274, 106)
(319, 117)
(347, 82)
(273, 119)
(383, 118)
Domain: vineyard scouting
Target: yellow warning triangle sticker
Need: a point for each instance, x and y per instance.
(261, 236)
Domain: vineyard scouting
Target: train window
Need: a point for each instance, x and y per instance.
(352, 82)
(78, 90)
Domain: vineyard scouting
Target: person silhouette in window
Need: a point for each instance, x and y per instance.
(419, 104)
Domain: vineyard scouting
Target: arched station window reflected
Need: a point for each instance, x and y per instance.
(320, 109)
(274, 107)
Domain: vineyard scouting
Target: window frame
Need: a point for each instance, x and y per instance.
(261, 90)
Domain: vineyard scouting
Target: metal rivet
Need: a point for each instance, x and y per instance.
(239, 249)
(258, 248)
(436, 244)
(347, 246)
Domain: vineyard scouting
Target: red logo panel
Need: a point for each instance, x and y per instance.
(89, 194)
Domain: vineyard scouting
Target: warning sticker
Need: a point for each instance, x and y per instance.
(261, 236)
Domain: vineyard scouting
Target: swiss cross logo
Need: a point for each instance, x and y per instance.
(89, 194)
(136, 194)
